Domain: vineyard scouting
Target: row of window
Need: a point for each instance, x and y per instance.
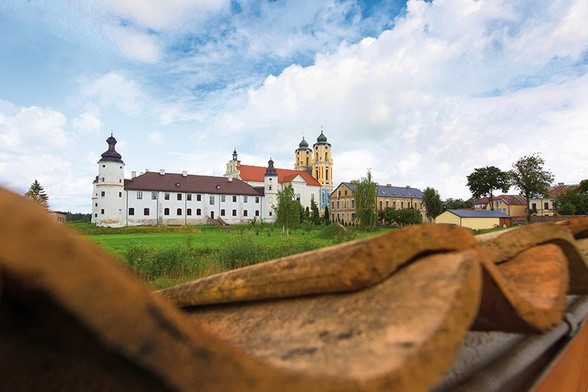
(179, 197)
(337, 204)
(166, 211)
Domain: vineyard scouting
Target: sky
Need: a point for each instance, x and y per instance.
(419, 92)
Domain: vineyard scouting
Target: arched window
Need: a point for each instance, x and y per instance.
(166, 211)
(222, 212)
(198, 211)
(189, 212)
(179, 211)
(131, 211)
(146, 211)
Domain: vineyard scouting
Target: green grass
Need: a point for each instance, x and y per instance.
(165, 256)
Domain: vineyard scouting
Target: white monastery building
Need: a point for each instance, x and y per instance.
(243, 194)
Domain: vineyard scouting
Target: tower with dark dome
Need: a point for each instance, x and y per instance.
(322, 167)
(303, 158)
(107, 197)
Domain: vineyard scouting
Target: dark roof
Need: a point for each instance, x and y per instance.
(111, 155)
(190, 183)
(303, 144)
(392, 191)
(479, 213)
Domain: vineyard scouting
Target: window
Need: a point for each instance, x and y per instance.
(401, 204)
(146, 211)
(394, 204)
(179, 211)
(409, 204)
(103, 193)
(234, 199)
(352, 203)
(198, 211)
(166, 211)
(222, 212)
(95, 215)
(270, 213)
(166, 195)
(332, 205)
(119, 194)
(257, 199)
(223, 198)
(131, 211)
(139, 195)
(256, 212)
(189, 212)
(189, 197)
(546, 206)
(244, 199)
(198, 198)
(179, 196)
(381, 205)
(244, 212)
(103, 165)
(387, 203)
(102, 179)
(234, 212)
(153, 195)
(95, 204)
(102, 211)
(534, 207)
(211, 200)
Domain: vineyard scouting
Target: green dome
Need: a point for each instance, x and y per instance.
(322, 138)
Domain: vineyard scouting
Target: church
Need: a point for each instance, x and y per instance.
(243, 194)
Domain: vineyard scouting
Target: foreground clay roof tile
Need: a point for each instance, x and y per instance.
(371, 314)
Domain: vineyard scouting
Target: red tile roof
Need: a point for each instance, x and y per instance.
(507, 199)
(174, 182)
(257, 174)
(558, 190)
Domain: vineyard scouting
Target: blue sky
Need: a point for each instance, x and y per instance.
(419, 92)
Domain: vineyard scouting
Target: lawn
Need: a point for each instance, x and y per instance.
(165, 256)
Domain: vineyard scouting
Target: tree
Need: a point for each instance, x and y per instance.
(288, 209)
(456, 204)
(433, 203)
(326, 217)
(365, 201)
(485, 180)
(315, 214)
(37, 193)
(528, 176)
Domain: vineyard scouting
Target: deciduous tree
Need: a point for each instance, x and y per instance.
(485, 180)
(365, 201)
(433, 203)
(529, 177)
(288, 209)
(37, 193)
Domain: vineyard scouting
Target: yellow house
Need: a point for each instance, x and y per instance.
(513, 205)
(342, 201)
(474, 219)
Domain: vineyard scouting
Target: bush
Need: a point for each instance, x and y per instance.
(337, 233)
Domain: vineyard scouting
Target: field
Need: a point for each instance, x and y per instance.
(165, 256)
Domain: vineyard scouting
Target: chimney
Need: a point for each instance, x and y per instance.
(230, 178)
(162, 172)
(133, 174)
(408, 186)
(184, 173)
(560, 183)
(389, 185)
(146, 170)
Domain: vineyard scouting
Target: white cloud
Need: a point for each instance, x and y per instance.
(159, 15)
(88, 121)
(115, 90)
(31, 129)
(156, 138)
(135, 44)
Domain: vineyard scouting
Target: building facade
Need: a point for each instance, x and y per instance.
(342, 201)
(243, 194)
(311, 178)
(512, 205)
(160, 198)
